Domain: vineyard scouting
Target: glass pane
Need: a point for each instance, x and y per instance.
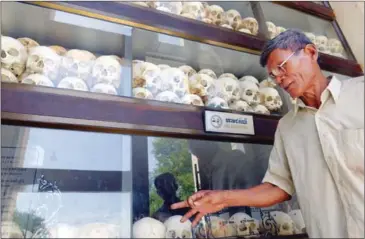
(63, 184)
(320, 32)
(57, 49)
(236, 16)
(176, 70)
(178, 167)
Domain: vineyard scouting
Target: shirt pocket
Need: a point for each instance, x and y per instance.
(351, 143)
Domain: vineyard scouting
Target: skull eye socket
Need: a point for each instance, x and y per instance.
(34, 58)
(285, 226)
(3, 54)
(249, 93)
(177, 79)
(13, 52)
(171, 234)
(204, 83)
(112, 69)
(269, 98)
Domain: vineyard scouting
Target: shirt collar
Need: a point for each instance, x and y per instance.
(333, 88)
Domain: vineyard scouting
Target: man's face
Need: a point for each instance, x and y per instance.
(298, 71)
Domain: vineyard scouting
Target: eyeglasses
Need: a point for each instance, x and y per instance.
(280, 70)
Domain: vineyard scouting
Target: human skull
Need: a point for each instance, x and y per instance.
(188, 70)
(296, 216)
(168, 96)
(284, 223)
(13, 55)
(233, 18)
(107, 69)
(176, 81)
(251, 24)
(163, 66)
(220, 228)
(177, 229)
(61, 230)
(59, 50)
(37, 79)
(240, 105)
(43, 60)
(171, 7)
(271, 29)
(250, 78)
(229, 75)
(227, 89)
(245, 225)
(267, 83)
(334, 46)
(146, 74)
(104, 88)
(77, 63)
(250, 92)
(148, 227)
(73, 83)
(260, 109)
(191, 99)
(201, 84)
(310, 36)
(208, 72)
(216, 102)
(28, 42)
(8, 76)
(321, 43)
(280, 29)
(215, 14)
(270, 98)
(142, 93)
(195, 9)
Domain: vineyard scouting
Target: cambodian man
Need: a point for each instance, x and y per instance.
(318, 151)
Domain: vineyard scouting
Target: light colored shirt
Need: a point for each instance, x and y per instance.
(319, 155)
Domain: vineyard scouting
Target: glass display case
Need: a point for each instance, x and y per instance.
(104, 115)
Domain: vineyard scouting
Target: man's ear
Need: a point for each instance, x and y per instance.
(311, 51)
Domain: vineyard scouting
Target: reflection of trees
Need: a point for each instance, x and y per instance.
(28, 221)
(172, 155)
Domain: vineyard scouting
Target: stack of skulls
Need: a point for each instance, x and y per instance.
(26, 61)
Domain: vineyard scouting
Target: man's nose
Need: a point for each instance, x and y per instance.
(279, 80)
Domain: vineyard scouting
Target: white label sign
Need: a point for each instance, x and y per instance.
(229, 123)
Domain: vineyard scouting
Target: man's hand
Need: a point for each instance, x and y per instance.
(202, 202)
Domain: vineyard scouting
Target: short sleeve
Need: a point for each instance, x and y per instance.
(278, 172)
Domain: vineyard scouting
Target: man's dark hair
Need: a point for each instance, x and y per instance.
(291, 39)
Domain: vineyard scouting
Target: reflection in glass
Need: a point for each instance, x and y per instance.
(319, 31)
(58, 184)
(58, 49)
(204, 165)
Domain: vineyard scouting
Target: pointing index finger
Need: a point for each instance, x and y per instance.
(178, 205)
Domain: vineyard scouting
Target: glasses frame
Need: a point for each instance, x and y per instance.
(273, 73)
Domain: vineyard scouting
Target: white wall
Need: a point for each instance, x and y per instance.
(350, 17)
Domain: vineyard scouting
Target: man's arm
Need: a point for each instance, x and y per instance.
(264, 195)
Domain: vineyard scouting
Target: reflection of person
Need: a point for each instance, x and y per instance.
(166, 187)
(318, 150)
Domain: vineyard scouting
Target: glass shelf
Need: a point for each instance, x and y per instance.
(319, 31)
